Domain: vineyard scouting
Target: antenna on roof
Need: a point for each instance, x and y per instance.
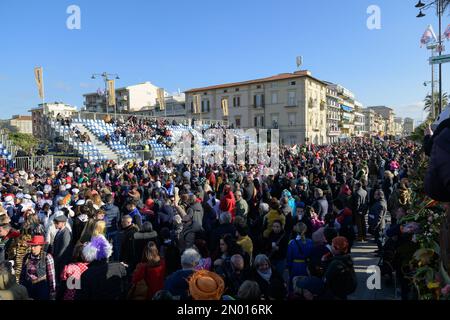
(299, 61)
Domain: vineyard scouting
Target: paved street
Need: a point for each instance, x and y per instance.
(363, 257)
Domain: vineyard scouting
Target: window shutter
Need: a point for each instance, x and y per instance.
(207, 106)
(262, 101)
(255, 121)
(254, 100)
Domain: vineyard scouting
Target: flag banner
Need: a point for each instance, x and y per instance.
(161, 99)
(428, 36)
(197, 102)
(225, 106)
(447, 33)
(111, 93)
(38, 75)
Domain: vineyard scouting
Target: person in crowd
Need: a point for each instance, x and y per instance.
(72, 273)
(249, 290)
(264, 274)
(9, 288)
(205, 262)
(62, 245)
(340, 277)
(188, 234)
(127, 252)
(151, 271)
(298, 252)
(38, 271)
(273, 215)
(112, 218)
(102, 280)
(206, 285)
(277, 247)
(377, 215)
(177, 282)
(360, 205)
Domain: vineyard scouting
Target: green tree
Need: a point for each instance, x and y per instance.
(428, 103)
(25, 141)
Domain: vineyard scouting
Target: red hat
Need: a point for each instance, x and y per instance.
(37, 241)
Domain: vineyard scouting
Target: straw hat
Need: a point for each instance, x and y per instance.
(206, 285)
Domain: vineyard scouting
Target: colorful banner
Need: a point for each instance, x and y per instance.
(225, 106)
(161, 99)
(111, 93)
(38, 75)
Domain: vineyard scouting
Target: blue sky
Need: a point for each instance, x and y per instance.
(186, 44)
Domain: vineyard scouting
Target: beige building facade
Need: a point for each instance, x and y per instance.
(295, 103)
(24, 124)
(41, 114)
(128, 99)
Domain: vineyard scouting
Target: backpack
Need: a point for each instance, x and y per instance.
(344, 281)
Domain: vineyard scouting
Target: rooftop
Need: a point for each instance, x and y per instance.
(281, 76)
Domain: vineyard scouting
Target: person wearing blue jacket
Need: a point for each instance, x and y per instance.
(291, 201)
(298, 254)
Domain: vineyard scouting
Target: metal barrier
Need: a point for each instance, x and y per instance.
(29, 164)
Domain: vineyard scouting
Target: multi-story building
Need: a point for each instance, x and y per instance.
(359, 122)
(175, 107)
(295, 103)
(24, 124)
(408, 126)
(388, 116)
(128, 99)
(346, 101)
(372, 122)
(398, 126)
(333, 115)
(41, 114)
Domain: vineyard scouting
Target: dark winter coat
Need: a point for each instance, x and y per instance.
(437, 179)
(103, 281)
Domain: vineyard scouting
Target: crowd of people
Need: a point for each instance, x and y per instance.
(160, 230)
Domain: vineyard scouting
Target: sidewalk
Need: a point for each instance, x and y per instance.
(363, 257)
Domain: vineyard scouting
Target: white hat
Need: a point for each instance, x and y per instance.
(22, 173)
(68, 186)
(20, 195)
(27, 196)
(70, 174)
(39, 193)
(9, 199)
(75, 191)
(158, 184)
(80, 202)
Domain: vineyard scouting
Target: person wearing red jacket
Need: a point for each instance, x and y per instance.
(228, 202)
(152, 269)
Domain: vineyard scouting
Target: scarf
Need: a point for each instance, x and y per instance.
(266, 276)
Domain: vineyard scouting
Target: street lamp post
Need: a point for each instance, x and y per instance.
(441, 5)
(106, 77)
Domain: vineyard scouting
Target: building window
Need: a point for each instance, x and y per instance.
(274, 97)
(292, 119)
(237, 89)
(291, 98)
(205, 94)
(258, 100)
(275, 121)
(236, 101)
(274, 85)
(238, 122)
(293, 83)
(225, 91)
(205, 106)
(258, 86)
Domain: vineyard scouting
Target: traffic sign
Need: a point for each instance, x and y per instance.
(440, 59)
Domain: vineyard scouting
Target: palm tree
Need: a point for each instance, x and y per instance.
(428, 102)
